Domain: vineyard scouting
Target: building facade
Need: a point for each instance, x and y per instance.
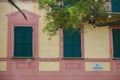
(26, 53)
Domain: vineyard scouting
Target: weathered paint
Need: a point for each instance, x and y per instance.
(16, 19)
(61, 42)
(96, 42)
(3, 29)
(89, 66)
(46, 51)
(49, 66)
(111, 38)
(3, 66)
(49, 63)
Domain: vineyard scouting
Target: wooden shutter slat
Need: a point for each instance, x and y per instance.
(116, 43)
(23, 41)
(115, 5)
(76, 43)
(72, 43)
(28, 42)
(67, 3)
(67, 43)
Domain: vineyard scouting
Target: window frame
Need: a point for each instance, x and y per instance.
(111, 40)
(16, 19)
(114, 7)
(11, 41)
(62, 44)
(21, 54)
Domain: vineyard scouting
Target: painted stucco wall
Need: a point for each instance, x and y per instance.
(3, 66)
(96, 41)
(49, 66)
(45, 49)
(105, 66)
(3, 29)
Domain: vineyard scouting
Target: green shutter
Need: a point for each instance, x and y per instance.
(76, 43)
(23, 42)
(28, 41)
(115, 5)
(67, 43)
(116, 43)
(18, 42)
(72, 43)
(67, 3)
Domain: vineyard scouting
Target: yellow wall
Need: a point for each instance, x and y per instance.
(3, 65)
(96, 42)
(95, 46)
(45, 49)
(89, 66)
(49, 66)
(48, 48)
(3, 29)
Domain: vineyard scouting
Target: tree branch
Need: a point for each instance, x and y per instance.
(13, 4)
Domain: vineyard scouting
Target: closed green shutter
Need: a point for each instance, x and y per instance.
(23, 42)
(76, 43)
(72, 43)
(18, 41)
(115, 5)
(28, 41)
(67, 3)
(67, 43)
(116, 43)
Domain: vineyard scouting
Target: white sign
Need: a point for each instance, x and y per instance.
(97, 66)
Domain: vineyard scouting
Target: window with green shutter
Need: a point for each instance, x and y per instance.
(67, 3)
(115, 5)
(116, 43)
(23, 41)
(72, 43)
